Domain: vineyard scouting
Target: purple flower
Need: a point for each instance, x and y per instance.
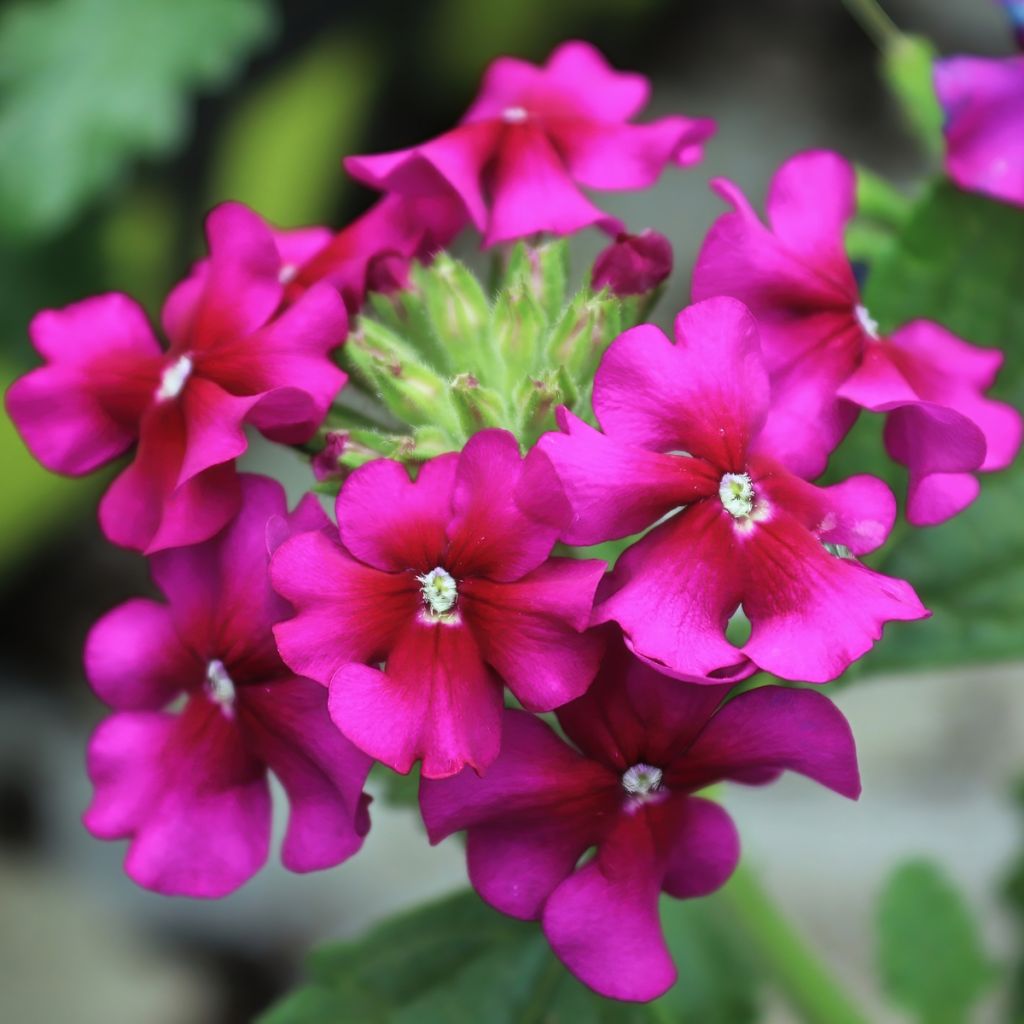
(188, 787)
(826, 358)
(532, 137)
(683, 434)
(642, 745)
(449, 584)
(633, 264)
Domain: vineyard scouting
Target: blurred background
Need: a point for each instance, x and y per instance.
(121, 123)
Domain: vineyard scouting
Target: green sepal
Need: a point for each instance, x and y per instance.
(518, 327)
(478, 407)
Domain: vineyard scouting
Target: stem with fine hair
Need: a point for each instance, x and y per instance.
(875, 22)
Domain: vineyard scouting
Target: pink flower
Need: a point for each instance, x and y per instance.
(683, 427)
(644, 745)
(448, 583)
(107, 385)
(532, 137)
(189, 788)
(984, 103)
(826, 357)
(374, 252)
(633, 264)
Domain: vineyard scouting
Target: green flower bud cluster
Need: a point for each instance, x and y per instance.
(446, 360)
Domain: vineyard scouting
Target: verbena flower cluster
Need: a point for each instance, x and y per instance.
(443, 613)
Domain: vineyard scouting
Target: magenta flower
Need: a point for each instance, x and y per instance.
(189, 788)
(644, 745)
(449, 584)
(107, 385)
(532, 137)
(984, 103)
(374, 252)
(683, 427)
(826, 357)
(633, 264)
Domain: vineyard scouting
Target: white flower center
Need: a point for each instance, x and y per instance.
(220, 687)
(641, 780)
(868, 324)
(174, 378)
(439, 590)
(287, 273)
(839, 550)
(737, 494)
(514, 115)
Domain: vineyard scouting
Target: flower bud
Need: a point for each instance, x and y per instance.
(478, 407)
(387, 272)
(633, 264)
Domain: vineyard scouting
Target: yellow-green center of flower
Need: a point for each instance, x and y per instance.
(737, 494)
(439, 590)
(641, 780)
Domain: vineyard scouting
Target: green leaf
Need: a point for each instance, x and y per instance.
(457, 961)
(1013, 897)
(281, 148)
(929, 953)
(90, 85)
(907, 63)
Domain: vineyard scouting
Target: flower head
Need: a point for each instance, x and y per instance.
(826, 358)
(233, 359)
(983, 99)
(532, 137)
(683, 433)
(449, 584)
(189, 788)
(642, 745)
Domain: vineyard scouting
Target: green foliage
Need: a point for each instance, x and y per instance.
(89, 85)
(457, 960)
(957, 260)
(929, 953)
(280, 149)
(907, 68)
(1013, 896)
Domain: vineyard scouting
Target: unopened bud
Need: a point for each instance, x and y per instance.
(478, 407)
(633, 264)
(387, 272)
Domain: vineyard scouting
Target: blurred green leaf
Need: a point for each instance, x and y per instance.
(89, 85)
(1013, 895)
(280, 152)
(907, 69)
(457, 961)
(929, 953)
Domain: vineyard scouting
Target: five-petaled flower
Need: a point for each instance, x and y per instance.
(189, 787)
(826, 357)
(643, 745)
(448, 583)
(682, 427)
(532, 137)
(107, 384)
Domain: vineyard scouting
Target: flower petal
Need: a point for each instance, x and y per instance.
(134, 658)
(533, 191)
(533, 632)
(529, 818)
(394, 523)
(605, 915)
(490, 534)
(705, 850)
(287, 725)
(616, 489)
(706, 395)
(813, 613)
(436, 701)
(345, 611)
(673, 592)
(195, 804)
(772, 729)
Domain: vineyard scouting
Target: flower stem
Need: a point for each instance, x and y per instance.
(788, 960)
(875, 22)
